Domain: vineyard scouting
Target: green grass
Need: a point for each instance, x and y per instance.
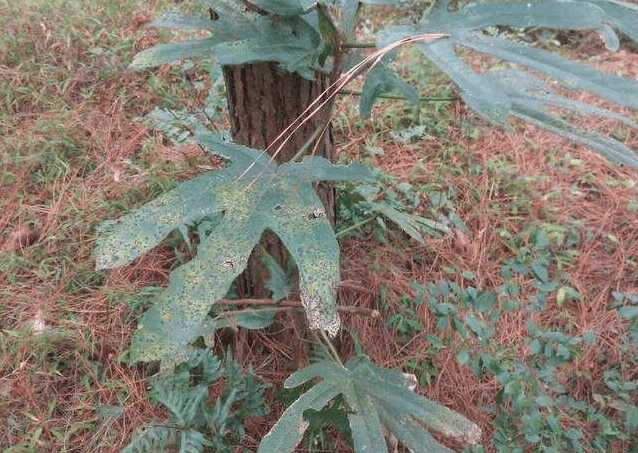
(67, 105)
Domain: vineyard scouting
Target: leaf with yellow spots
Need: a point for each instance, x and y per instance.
(251, 195)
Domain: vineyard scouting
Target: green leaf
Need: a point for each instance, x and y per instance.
(289, 429)
(410, 433)
(240, 36)
(399, 402)
(210, 365)
(382, 79)
(477, 91)
(566, 294)
(248, 319)
(306, 232)
(572, 75)
(609, 148)
(291, 42)
(377, 398)
(365, 424)
(182, 404)
(628, 312)
(463, 357)
(413, 225)
(383, 2)
(278, 281)
(540, 271)
(477, 326)
(152, 439)
(349, 13)
(169, 53)
(176, 318)
(622, 16)
(176, 20)
(324, 369)
(557, 14)
(194, 422)
(254, 195)
(121, 241)
(191, 441)
(280, 7)
(315, 168)
(544, 401)
(327, 29)
(500, 95)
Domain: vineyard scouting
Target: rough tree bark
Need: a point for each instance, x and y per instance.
(262, 101)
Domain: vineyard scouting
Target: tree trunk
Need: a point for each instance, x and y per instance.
(262, 101)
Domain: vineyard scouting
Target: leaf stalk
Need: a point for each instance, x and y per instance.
(358, 45)
(403, 98)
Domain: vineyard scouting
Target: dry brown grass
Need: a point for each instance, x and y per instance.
(601, 206)
(53, 382)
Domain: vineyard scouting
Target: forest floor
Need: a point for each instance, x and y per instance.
(546, 233)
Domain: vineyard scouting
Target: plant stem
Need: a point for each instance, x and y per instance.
(331, 347)
(403, 98)
(353, 227)
(358, 45)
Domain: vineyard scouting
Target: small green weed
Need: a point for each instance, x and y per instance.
(536, 407)
(194, 422)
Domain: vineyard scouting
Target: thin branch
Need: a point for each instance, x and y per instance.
(403, 98)
(268, 309)
(292, 305)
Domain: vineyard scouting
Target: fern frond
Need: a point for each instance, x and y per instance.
(153, 439)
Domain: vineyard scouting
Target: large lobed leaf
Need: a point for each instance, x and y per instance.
(241, 36)
(280, 7)
(251, 195)
(377, 398)
(498, 96)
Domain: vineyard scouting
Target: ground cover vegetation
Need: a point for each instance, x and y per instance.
(496, 266)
